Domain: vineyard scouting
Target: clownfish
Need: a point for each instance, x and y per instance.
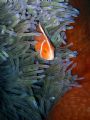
(43, 45)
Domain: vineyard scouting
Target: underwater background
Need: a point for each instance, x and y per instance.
(44, 60)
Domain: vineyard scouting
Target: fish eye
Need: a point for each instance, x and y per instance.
(45, 50)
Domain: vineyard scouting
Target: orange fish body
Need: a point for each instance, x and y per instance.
(43, 45)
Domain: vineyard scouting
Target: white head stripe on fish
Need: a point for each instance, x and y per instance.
(51, 53)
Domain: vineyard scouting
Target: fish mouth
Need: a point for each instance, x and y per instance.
(50, 56)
